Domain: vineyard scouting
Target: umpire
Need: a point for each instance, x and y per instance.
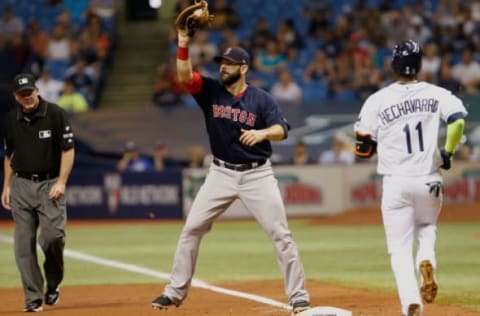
(38, 160)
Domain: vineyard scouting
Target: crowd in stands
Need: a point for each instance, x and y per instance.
(66, 44)
(160, 158)
(338, 50)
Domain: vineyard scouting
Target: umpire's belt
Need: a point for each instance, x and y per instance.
(36, 177)
(239, 167)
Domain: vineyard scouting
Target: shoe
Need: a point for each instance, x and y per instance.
(33, 307)
(429, 287)
(413, 310)
(162, 302)
(52, 297)
(300, 306)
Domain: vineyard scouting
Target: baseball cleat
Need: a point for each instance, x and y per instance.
(300, 306)
(429, 287)
(162, 302)
(52, 297)
(33, 307)
(413, 310)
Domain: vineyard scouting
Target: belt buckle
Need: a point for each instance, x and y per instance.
(35, 177)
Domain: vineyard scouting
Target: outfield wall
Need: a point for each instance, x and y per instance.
(307, 191)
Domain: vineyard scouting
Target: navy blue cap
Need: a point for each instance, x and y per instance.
(235, 55)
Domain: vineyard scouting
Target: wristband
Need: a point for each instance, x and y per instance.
(182, 53)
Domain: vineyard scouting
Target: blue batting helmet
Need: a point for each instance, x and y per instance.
(407, 58)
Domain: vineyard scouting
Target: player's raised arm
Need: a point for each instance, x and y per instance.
(191, 19)
(184, 64)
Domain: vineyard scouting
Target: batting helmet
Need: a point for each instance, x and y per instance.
(407, 58)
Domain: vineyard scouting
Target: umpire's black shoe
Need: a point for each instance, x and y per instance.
(33, 307)
(162, 302)
(300, 306)
(52, 297)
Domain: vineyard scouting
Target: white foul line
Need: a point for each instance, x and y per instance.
(161, 275)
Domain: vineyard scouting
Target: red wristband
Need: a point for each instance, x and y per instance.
(182, 53)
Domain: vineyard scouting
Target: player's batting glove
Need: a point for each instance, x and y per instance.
(447, 159)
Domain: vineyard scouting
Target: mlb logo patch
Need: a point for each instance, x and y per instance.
(44, 134)
(22, 81)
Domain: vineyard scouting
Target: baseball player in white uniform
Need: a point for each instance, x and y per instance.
(400, 122)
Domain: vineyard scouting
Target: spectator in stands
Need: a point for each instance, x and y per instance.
(446, 79)
(195, 156)
(64, 19)
(287, 35)
(318, 23)
(430, 60)
(343, 78)
(48, 87)
(72, 101)
(331, 44)
(162, 159)
(164, 95)
(260, 36)
(11, 28)
(287, 91)
(464, 152)
(301, 155)
(270, 59)
(88, 49)
(418, 31)
(83, 78)
(201, 50)
(99, 35)
(394, 25)
(230, 40)
(160, 154)
(77, 9)
(368, 78)
(340, 153)
(168, 92)
(132, 161)
(319, 69)
(225, 16)
(37, 39)
(106, 9)
(60, 46)
(467, 72)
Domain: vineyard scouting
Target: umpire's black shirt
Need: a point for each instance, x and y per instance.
(34, 141)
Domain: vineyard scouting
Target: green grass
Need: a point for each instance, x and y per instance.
(353, 256)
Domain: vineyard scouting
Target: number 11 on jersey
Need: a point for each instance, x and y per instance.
(418, 128)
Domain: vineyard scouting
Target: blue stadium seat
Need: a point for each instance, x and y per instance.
(314, 92)
(57, 68)
(346, 96)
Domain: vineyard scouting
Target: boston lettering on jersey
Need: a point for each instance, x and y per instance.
(410, 106)
(234, 114)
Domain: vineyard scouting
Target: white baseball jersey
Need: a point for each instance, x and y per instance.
(404, 120)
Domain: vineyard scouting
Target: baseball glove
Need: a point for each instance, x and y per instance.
(193, 18)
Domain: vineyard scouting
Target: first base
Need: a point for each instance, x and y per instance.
(325, 311)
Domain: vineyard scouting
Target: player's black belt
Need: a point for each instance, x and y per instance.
(36, 177)
(239, 167)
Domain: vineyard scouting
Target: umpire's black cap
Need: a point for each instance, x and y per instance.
(234, 54)
(23, 81)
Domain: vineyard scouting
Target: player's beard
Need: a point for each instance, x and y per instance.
(230, 79)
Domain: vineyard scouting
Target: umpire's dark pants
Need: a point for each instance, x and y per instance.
(32, 208)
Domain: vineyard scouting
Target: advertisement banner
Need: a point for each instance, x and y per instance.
(98, 195)
(327, 190)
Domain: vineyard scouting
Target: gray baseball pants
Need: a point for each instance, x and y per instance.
(31, 209)
(258, 190)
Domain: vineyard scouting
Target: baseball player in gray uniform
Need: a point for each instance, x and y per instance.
(401, 123)
(241, 121)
